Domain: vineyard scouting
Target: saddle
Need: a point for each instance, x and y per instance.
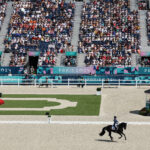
(114, 128)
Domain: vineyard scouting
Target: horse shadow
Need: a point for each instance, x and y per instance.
(135, 112)
(103, 140)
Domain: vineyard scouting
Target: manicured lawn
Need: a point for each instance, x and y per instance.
(27, 104)
(87, 105)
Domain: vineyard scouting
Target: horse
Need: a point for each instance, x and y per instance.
(108, 128)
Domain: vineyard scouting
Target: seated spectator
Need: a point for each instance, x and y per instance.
(145, 61)
(3, 7)
(148, 25)
(70, 61)
(143, 4)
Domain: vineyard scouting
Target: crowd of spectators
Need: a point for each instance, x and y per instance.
(148, 25)
(109, 33)
(145, 61)
(143, 4)
(70, 61)
(3, 7)
(45, 26)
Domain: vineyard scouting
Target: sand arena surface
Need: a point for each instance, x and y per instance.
(123, 102)
(70, 137)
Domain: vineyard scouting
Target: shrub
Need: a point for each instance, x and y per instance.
(144, 111)
(98, 89)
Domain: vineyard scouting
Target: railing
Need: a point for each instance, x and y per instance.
(74, 82)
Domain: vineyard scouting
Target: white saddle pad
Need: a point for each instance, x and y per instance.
(113, 128)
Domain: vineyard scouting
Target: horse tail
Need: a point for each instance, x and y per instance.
(103, 132)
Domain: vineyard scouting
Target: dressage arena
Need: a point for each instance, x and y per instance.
(77, 132)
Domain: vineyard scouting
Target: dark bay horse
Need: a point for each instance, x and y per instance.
(108, 128)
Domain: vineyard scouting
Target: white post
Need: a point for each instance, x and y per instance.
(119, 82)
(102, 83)
(1, 82)
(35, 82)
(85, 82)
(52, 83)
(18, 82)
(136, 83)
(68, 82)
(49, 119)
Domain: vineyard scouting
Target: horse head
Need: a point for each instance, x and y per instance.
(123, 125)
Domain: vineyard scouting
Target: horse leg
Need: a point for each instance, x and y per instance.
(124, 135)
(120, 135)
(110, 135)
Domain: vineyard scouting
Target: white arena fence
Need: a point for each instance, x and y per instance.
(74, 82)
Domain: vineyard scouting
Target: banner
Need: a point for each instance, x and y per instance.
(34, 53)
(92, 70)
(144, 70)
(71, 53)
(145, 54)
(120, 70)
(74, 70)
(11, 70)
(1, 53)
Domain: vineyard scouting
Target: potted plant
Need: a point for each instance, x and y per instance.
(98, 91)
(144, 111)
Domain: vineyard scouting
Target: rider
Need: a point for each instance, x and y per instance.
(115, 125)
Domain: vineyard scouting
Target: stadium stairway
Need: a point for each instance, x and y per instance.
(135, 60)
(133, 5)
(59, 59)
(80, 60)
(134, 57)
(76, 31)
(143, 32)
(144, 39)
(76, 26)
(75, 36)
(5, 56)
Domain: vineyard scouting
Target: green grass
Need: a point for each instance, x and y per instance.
(87, 105)
(27, 104)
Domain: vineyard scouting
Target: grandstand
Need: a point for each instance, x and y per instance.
(74, 39)
(109, 33)
(47, 46)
